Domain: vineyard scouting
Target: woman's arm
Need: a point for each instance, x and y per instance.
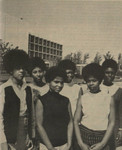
(70, 127)
(111, 123)
(77, 119)
(40, 128)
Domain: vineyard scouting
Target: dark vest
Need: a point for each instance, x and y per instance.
(11, 113)
(55, 117)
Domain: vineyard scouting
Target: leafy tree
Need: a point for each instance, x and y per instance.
(5, 47)
(97, 58)
(108, 56)
(86, 56)
(120, 60)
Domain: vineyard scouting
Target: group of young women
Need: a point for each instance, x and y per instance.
(59, 114)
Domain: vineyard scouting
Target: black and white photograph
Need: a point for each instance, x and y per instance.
(60, 74)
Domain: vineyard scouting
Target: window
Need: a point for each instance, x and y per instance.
(44, 42)
(44, 56)
(40, 48)
(32, 46)
(32, 38)
(36, 47)
(44, 49)
(36, 54)
(47, 50)
(60, 47)
(57, 52)
(40, 55)
(31, 54)
(40, 41)
(36, 39)
(48, 43)
(52, 44)
(54, 51)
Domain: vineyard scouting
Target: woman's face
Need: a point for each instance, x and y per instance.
(37, 74)
(56, 84)
(93, 84)
(70, 75)
(109, 75)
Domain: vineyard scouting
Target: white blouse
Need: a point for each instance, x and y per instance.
(96, 109)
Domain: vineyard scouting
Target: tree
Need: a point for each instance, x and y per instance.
(120, 61)
(69, 56)
(75, 57)
(97, 58)
(86, 56)
(108, 56)
(5, 47)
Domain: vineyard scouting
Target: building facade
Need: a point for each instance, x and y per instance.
(49, 51)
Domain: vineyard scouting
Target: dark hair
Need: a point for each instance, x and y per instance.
(15, 59)
(93, 69)
(110, 63)
(54, 72)
(67, 64)
(36, 62)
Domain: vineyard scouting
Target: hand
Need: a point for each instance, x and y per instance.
(84, 146)
(30, 144)
(67, 147)
(119, 137)
(97, 146)
(4, 146)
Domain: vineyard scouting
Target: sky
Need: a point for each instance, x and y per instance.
(87, 26)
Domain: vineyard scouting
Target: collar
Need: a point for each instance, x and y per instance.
(10, 83)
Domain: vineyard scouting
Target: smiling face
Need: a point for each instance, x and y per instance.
(56, 84)
(109, 76)
(37, 74)
(93, 84)
(70, 75)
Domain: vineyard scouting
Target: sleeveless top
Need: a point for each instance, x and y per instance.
(96, 109)
(55, 117)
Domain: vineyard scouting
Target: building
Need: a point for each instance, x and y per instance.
(49, 51)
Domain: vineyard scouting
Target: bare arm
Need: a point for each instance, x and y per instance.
(111, 122)
(70, 127)
(40, 128)
(77, 119)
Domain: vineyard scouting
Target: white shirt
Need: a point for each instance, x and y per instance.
(71, 92)
(21, 93)
(42, 90)
(96, 109)
(111, 90)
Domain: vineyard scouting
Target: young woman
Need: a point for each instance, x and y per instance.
(71, 90)
(109, 87)
(95, 114)
(15, 104)
(53, 114)
(37, 69)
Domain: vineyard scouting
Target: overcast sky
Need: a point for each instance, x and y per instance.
(89, 26)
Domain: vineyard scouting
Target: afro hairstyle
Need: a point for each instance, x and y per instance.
(93, 69)
(110, 63)
(36, 62)
(67, 64)
(54, 72)
(15, 59)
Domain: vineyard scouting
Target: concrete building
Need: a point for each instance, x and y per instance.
(49, 51)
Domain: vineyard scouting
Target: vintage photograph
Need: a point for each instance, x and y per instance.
(60, 75)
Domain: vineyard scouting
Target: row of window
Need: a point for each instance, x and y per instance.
(41, 55)
(44, 49)
(40, 41)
